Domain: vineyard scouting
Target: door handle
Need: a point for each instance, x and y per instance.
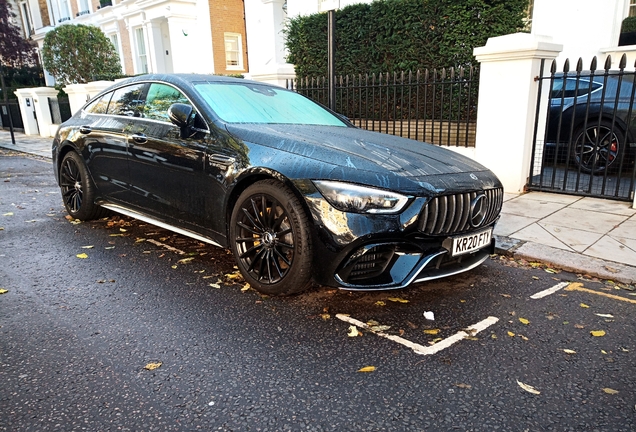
(139, 138)
(85, 129)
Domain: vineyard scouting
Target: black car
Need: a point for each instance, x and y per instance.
(293, 189)
(591, 120)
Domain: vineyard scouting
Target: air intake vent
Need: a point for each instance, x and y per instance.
(451, 214)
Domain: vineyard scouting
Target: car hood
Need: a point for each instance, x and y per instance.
(358, 149)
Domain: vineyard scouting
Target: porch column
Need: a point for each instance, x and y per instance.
(265, 21)
(507, 103)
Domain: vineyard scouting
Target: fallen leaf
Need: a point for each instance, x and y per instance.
(524, 321)
(552, 271)
(214, 285)
(380, 328)
(464, 386)
(462, 301)
(380, 303)
(611, 269)
(535, 264)
(185, 260)
(353, 331)
(116, 235)
(230, 276)
(75, 221)
(566, 322)
(109, 247)
(246, 287)
(535, 278)
(605, 315)
(325, 316)
(367, 369)
(610, 391)
(140, 240)
(523, 337)
(87, 247)
(528, 388)
(397, 300)
(603, 352)
(410, 324)
(3, 291)
(372, 323)
(152, 366)
(569, 351)
(597, 333)
(624, 349)
(471, 338)
(174, 266)
(583, 305)
(429, 315)
(8, 214)
(511, 334)
(494, 336)
(82, 256)
(434, 341)
(505, 295)
(122, 230)
(431, 331)
(579, 326)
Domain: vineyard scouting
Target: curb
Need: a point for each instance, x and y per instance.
(565, 260)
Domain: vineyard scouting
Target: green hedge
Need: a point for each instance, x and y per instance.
(397, 35)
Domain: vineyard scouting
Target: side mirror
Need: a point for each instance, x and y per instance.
(180, 114)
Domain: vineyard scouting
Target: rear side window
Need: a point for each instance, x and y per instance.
(585, 86)
(159, 99)
(99, 105)
(128, 101)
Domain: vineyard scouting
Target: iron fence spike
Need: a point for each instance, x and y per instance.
(593, 65)
(579, 65)
(623, 62)
(608, 63)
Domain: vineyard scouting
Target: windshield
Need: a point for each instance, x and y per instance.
(253, 103)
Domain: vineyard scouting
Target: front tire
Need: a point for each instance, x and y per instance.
(271, 239)
(78, 191)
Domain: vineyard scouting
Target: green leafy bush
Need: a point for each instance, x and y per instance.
(397, 35)
(628, 25)
(79, 54)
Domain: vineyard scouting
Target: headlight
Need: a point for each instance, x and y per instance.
(352, 198)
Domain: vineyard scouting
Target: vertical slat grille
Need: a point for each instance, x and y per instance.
(451, 214)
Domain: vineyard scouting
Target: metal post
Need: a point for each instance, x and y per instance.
(331, 58)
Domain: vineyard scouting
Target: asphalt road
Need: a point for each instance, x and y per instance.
(77, 333)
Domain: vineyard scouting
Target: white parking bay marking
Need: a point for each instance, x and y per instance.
(549, 291)
(426, 350)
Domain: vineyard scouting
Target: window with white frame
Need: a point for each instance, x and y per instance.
(27, 24)
(233, 57)
(84, 7)
(632, 8)
(65, 11)
(142, 57)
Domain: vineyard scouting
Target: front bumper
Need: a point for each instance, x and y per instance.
(364, 252)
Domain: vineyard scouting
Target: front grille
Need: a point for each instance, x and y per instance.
(451, 214)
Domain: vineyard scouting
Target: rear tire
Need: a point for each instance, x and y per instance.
(593, 158)
(271, 239)
(78, 190)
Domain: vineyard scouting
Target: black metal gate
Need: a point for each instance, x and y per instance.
(13, 109)
(589, 144)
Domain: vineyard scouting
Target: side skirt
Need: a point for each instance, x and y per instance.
(127, 212)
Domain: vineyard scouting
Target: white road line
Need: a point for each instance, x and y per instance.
(549, 291)
(420, 349)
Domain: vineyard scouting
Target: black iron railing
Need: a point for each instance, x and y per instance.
(438, 106)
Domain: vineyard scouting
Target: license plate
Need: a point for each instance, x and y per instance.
(471, 242)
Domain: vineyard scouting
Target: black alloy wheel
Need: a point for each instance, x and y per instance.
(270, 238)
(78, 192)
(597, 147)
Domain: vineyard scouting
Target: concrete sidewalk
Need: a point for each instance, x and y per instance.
(591, 236)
